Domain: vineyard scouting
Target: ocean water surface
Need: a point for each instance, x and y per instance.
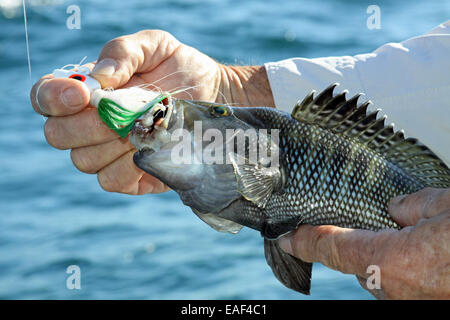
(153, 247)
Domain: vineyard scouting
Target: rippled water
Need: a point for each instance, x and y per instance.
(152, 247)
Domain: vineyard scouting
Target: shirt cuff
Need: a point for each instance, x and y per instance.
(292, 79)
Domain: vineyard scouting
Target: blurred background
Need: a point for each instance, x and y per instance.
(152, 247)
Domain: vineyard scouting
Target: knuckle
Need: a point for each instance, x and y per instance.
(118, 46)
(334, 258)
(429, 201)
(320, 243)
(153, 32)
(428, 190)
(428, 198)
(82, 162)
(330, 247)
(424, 195)
(159, 36)
(441, 200)
(118, 42)
(51, 134)
(119, 39)
(106, 183)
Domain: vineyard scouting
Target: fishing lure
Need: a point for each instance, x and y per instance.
(119, 108)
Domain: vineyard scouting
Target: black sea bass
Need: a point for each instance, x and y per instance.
(330, 162)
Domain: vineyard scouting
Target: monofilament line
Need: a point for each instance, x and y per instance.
(26, 37)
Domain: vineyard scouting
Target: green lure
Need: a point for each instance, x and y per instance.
(118, 118)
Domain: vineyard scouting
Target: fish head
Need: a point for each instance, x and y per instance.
(193, 146)
(205, 152)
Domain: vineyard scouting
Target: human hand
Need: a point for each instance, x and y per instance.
(150, 57)
(414, 262)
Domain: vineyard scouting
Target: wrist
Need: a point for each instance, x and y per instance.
(245, 85)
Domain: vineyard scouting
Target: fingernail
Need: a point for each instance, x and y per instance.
(71, 97)
(105, 67)
(285, 244)
(38, 103)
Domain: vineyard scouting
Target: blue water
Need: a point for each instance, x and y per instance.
(152, 247)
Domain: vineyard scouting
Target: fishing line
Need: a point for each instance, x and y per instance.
(26, 38)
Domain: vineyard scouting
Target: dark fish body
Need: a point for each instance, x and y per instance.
(329, 179)
(338, 165)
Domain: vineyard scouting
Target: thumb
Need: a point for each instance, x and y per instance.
(104, 71)
(346, 250)
(141, 52)
(407, 210)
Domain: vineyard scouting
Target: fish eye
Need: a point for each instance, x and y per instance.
(220, 111)
(78, 77)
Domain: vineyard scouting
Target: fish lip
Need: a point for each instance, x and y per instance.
(142, 153)
(145, 151)
(140, 158)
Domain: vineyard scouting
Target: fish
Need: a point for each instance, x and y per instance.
(331, 162)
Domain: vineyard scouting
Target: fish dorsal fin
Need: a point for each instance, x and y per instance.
(254, 182)
(346, 117)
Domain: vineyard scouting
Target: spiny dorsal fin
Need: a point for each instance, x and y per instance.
(345, 117)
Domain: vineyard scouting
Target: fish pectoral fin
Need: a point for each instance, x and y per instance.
(254, 182)
(290, 271)
(218, 223)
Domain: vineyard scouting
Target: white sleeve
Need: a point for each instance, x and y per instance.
(409, 81)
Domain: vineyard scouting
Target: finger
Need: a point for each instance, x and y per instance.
(121, 175)
(149, 184)
(346, 250)
(78, 130)
(34, 93)
(59, 97)
(124, 56)
(407, 210)
(92, 159)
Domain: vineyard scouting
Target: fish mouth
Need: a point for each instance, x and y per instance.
(158, 116)
(150, 131)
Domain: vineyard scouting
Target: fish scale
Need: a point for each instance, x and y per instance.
(338, 164)
(357, 185)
